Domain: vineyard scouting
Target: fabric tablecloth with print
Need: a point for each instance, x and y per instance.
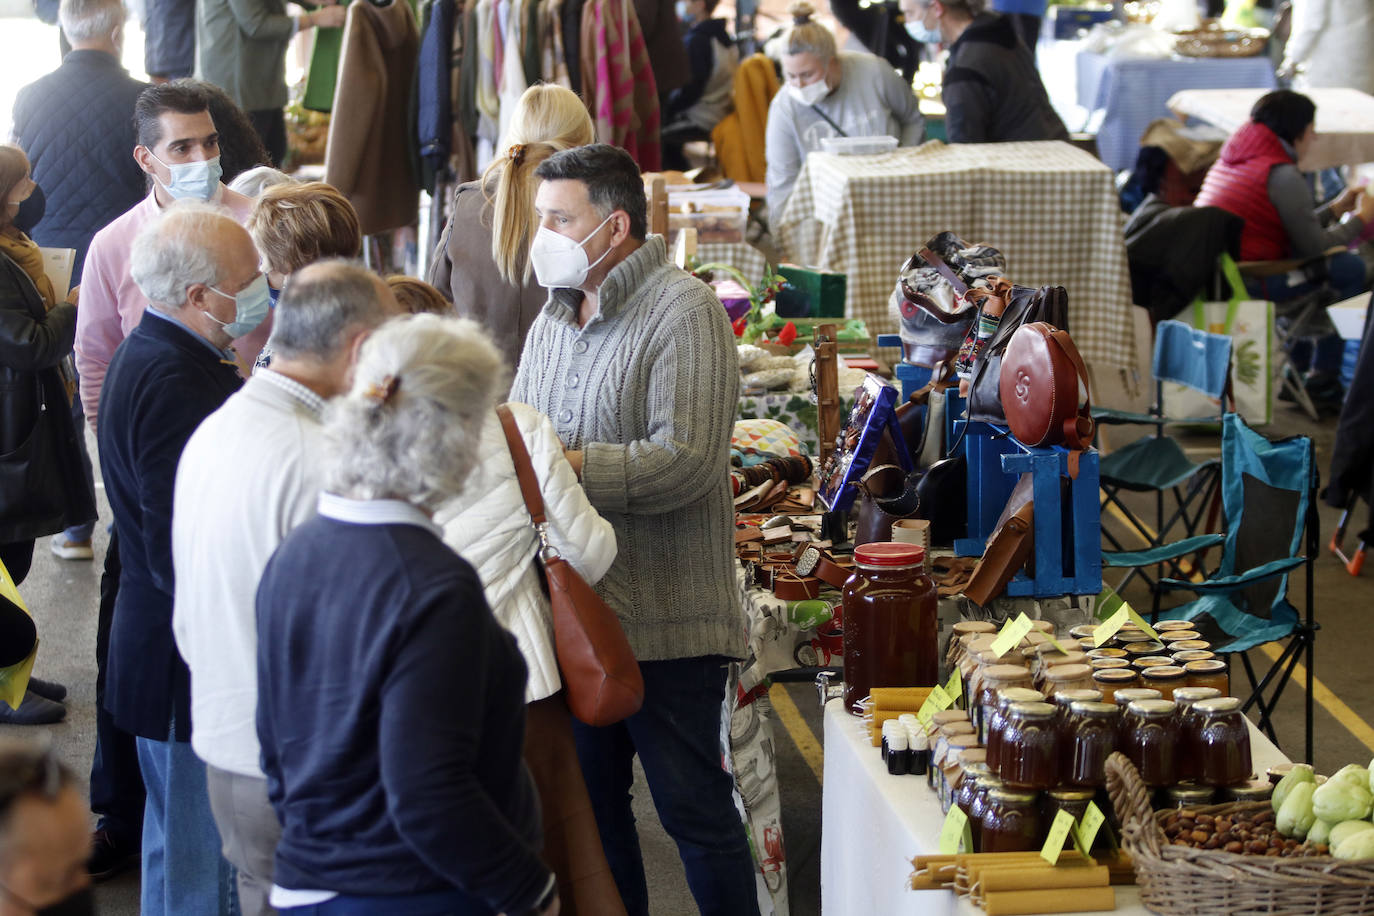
(1051, 208)
(1345, 120)
(794, 409)
(1132, 92)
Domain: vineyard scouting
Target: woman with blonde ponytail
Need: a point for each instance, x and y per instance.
(482, 262)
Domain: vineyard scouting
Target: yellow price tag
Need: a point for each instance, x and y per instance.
(926, 712)
(955, 833)
(1092, 822)
(1109, 627)
(1140, 622)
(1059, 832)
(940, 698)
(1012, 634)
(955, 685)
(1054, 642)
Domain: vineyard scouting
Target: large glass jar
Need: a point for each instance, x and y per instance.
(1165, 679)
(1062, 701)
(1111, 681)
(1030, 747)
(996, 680)
(1212, 672)
(985, 659)
(1062, 678)
(951, 767)
(998, 721)
(968, 784)
(1074, 801)
(1092, 726)
(1011, 822)
(891, 622)
(1124, 698)
(1223, 742)
(979, 805)
(1152, 741)
(1188, 721)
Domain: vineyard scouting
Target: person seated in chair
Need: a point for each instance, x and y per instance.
(1257, 178)
(695, 109)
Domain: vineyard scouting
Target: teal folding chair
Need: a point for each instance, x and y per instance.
(1157, 463)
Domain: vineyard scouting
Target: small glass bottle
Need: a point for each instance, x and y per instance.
(1093, 729)
(1152, 741)
(919, 745)
(1030, 747)
(898, 755)
(1223, 742)
(891, 623)
(1010, 822)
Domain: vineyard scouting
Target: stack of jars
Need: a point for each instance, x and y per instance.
(1131, 660)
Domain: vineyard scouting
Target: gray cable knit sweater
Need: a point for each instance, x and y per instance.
(648, 390)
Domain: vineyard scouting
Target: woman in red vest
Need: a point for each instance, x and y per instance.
(1257, 179)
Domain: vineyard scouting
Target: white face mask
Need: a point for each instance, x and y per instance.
(559, 262)
(193, 180)
(811, 93)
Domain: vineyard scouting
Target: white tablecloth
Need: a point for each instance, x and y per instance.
(1051, 208)
(1345, 120)
(872, 824)
(1132, 92)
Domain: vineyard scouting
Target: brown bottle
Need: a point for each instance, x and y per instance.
(891, 622)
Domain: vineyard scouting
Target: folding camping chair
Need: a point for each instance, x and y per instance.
(1269, 493)
(1156, 463)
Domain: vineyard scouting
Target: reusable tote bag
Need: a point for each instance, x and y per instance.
(1250, 325)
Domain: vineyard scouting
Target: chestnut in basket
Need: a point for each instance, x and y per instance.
(1245, 833)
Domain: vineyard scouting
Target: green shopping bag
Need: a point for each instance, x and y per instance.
(322, 76)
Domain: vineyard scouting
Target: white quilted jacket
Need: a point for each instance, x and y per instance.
(490, 527)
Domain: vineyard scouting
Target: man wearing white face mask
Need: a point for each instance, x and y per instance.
(634, 362)
(830, 94)
(199, 271)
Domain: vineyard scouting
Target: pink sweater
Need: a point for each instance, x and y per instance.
(111, 304)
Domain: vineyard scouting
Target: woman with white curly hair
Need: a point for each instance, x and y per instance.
(390, 700)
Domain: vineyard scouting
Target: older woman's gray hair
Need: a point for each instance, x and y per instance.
(177, 250)
(410, 427)
(258, 179)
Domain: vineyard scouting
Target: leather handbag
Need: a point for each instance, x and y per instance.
(1039, 379)
(1023, 306)
(602, 677)
(1008, 550)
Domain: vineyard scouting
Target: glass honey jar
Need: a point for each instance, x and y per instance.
(1152, 741)
(1029, 757)
(1011, 821)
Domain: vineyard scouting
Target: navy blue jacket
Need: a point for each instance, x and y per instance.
(76, 126)
(391, 715)
(162, 382)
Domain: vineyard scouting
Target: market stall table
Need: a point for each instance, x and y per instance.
(1345, 120)
(1051, 208)
(1132, 92)
(872, 824)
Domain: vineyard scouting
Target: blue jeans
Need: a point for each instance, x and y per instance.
(184, 873)
(1346, 277)
(677, 735)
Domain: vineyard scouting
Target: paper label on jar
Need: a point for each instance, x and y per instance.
(955, 686)
(1059, 832)
(955, 836)
(1012, 634)
(1092, 822)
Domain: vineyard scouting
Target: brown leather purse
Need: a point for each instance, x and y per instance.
(1039, 388)
(600, 673)
(1008, 550)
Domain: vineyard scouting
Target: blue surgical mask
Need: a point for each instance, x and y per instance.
(926, 36)
(192, 180)
(250, 307)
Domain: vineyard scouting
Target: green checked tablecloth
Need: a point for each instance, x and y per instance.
(1052, 209)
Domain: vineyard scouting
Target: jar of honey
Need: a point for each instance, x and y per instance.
(1150, 661)
(1164, 678)
(1212, 672)
(1074, 801)
(1223, 742)
(1152, 741)
(1188, 795)
(1253, 790)
(998, 721)
(968, 784)
(891, 623)
(951, 768)
(1188, 721)
(1068, 677)
(1165, 626)
(978, 806)
(1029, 757)
(1112, 680)
(1136, 650)
(1169, 637)
(1099, 663)
(1184, 644)
(1011, 822)
(1092, 727)
(1184, 656)
(1124, 698)
(996, 679)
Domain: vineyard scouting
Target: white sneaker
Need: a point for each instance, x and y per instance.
(71, 550)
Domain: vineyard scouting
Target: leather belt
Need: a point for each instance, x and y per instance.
(790, 586)
(812, 561)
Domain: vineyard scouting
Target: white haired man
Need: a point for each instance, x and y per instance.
(199, 271)
(269, 437)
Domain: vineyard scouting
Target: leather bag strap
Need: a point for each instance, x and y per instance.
(934, 260)
(524, 470)
(1078, 431)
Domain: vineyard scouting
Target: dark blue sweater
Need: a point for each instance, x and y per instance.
(391, 715)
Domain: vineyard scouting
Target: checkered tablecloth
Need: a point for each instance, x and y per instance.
(1132, 92)
(1050, 208)
(742, 256)
(1345, 120)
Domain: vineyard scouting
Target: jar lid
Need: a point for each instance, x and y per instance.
(1151, 709)
(1163, 673)
(1107, 652)
(982, 642)
(974, 757)
(896, 740)
(961, 742)
(889, 553)
(1101, 663)
(1147, 647)
(1206, 666)
(1092, 708)
(1192, 655)
(1184, 792)
(1114, 676)
(1005, 673)
(1087, 644)
(1193, 694)
(953, 729)
(964, 627)
(1035, 638)
(1064, 794)
(1030, 710)
(1165, 625)
(1131, 694)
(1217, 706)
(907, 719)
(1179, 635)
(1044, 626)
(1082, 694)
(1082, 630)
(946, 716)
(1015, 796)
(1019, 695)
(1061, 673)
(1189, 644)
(989, 780)
(1151, 661)
(1252, 791)
(1072, 657)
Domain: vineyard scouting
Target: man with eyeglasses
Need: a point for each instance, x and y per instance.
(44, 836)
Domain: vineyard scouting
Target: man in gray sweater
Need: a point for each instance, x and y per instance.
(634, 362)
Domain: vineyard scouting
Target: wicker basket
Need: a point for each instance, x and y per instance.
(1180, 881)
(1221, 42)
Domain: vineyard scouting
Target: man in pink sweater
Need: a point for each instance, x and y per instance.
(178, 147)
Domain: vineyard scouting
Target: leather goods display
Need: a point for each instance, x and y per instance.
(1041, 371)
(1023, 306)
(812, 561)
(1007, 551)
(600, 673)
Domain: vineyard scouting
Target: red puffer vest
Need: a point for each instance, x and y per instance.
(1238, 182)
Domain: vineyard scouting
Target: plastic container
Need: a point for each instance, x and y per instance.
(891, 623)
(717, 214)
(858, 146)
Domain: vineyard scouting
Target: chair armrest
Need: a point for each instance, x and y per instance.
(1165, 552)
(1227, 584)
(1274, 268)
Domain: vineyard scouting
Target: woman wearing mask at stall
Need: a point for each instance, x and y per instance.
(830, 93)
(482, 263)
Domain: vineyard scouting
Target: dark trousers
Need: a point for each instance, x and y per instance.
(17, 557)
(169, 38)
(270, 124)
(677, 735)
(117, 793)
